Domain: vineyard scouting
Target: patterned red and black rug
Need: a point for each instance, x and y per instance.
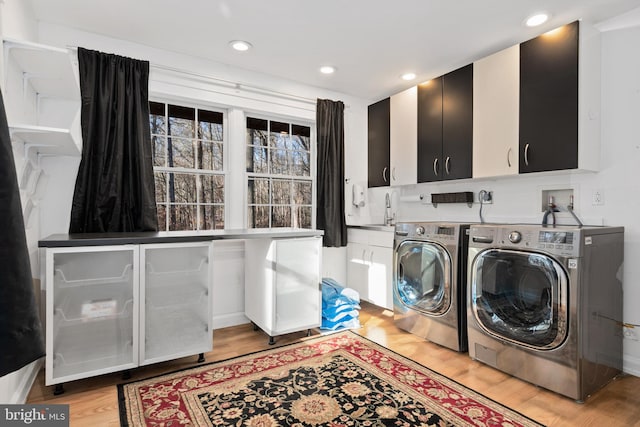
(335, 380)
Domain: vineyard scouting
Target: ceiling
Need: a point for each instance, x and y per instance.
(370, 42)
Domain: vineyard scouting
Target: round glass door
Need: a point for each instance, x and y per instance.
(423, 277)
(520, 296)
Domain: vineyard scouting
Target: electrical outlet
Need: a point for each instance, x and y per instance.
(629, 332)
(485, 197)
(597, 197)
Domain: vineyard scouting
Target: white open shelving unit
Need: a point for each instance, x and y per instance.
(36, 74)
(49, 72)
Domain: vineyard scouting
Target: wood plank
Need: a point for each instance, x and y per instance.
(94, 401)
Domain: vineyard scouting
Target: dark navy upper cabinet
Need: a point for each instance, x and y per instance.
(379, 135)
(549, 101)
(445, 126)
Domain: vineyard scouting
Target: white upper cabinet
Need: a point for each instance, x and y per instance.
(404, 137)
(496, 113)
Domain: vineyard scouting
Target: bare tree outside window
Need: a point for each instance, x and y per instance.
(279, 181)
(188, 151)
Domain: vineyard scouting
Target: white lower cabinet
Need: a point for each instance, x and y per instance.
(282, 284)
(176, 289)
(91, 311)
(370, 265)
(106, 314)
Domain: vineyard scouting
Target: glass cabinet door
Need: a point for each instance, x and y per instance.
(423, 277)
(520, 296)
(176, 314)
(92, 314)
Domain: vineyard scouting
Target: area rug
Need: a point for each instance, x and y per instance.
(336, 380)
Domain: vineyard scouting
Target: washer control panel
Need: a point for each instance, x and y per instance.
(439, 231)
(558, 241)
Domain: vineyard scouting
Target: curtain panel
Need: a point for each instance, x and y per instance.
(21, 337)
(330, 172)
(115, 190)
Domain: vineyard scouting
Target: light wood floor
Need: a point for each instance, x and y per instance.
(94, 402)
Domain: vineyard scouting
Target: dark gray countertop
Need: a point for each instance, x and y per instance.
(376, 227)
(104, 239)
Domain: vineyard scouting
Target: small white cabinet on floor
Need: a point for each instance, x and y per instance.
(282, 284)
(370, 265)
(112, 308)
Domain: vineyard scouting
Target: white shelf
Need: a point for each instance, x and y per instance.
(82, 304)
(50, 70)
(179, 295)
(28, 209)
(94, 347)
(123, 278)
(46, 140)
(173, 334)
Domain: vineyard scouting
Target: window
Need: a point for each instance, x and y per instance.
(188, 148)
(279, 176)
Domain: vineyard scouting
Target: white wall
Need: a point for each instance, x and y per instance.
(519, 198)
(200, 84)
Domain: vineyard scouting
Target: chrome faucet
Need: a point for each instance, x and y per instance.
(388, 216)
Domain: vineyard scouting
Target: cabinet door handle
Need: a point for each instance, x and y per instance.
(371, 258)
(393, 173)
(435, 166)
(526, 154)
(446, 165)
(384, 174)
(509, 157)
(364, 259)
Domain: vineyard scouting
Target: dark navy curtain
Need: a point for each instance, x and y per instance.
(330, 172)
(21, 339)
(114, 189)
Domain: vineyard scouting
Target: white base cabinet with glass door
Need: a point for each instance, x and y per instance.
(91, 312)
(106, 314)
(282, 284)
(175, 319)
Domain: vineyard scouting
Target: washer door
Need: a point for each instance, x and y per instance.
(423, 277)
(521, 297)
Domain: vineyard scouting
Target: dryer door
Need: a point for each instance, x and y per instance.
(423, 277)
(521, 297)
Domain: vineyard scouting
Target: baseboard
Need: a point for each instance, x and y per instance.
(24, 387)
(631, 365)
(232, 319)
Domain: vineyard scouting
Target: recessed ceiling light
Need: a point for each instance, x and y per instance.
(537, 19)
(240, 45)
(327, 69)
(408, 76)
